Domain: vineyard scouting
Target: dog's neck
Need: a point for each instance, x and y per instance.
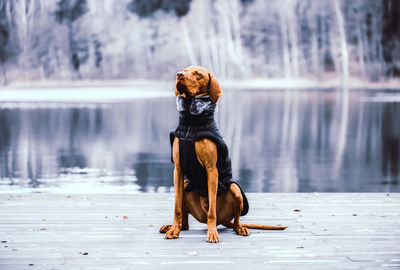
(195, 112)
(197, 106)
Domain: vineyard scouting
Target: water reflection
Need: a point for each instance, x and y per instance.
(390, 143)
(280, 141)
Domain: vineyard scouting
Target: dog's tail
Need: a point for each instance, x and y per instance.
(256, 226)
(262, 227)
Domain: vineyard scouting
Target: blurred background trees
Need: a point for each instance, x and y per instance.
(67, 12)
(89, 39)
(145, 8)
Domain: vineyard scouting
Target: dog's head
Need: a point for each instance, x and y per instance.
(196, 81)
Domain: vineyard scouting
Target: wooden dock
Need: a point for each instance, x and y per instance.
(326, 231)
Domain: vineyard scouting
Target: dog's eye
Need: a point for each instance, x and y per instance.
(198, 75)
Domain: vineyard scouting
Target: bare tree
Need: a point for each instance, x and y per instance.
(68, 12)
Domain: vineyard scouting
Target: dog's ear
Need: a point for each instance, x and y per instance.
(214, 90)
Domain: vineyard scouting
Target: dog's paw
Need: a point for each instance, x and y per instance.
(212, 236)
(242, 231)
(172, 233)
(165, 228)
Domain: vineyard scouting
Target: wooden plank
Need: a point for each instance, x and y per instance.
(331, 231)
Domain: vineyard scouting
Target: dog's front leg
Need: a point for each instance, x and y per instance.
(212, 233)
(176, 227)
(207, 155)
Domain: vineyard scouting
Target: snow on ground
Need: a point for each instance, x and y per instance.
(382, 98)
(82, 94)
(309, 84)
(254, 83)
(125, 90)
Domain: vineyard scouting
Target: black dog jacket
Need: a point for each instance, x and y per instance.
(196, 121)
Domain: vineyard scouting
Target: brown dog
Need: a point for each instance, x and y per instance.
(195, 85)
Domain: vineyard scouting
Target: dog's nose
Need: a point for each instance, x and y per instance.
(180, 74)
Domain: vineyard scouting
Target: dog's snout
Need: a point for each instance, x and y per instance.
(180, 74)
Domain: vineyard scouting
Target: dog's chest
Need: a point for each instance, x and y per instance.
(190, 164)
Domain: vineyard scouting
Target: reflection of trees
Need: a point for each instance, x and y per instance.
(152, 172)
(376, 144)
(307, 140)
(36, 143)
(295, 140)
(391, 142)
(71, 159)
(4, 144)
(342, 131)
(285, 176)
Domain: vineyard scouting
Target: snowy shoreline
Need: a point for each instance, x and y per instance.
(125, 90)
(273, 84)
(81, 94)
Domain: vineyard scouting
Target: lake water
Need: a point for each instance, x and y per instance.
(279, 141)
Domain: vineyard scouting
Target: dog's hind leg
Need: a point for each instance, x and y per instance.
(238, 205)
(242, 228)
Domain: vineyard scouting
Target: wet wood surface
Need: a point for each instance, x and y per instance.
(326, 231)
